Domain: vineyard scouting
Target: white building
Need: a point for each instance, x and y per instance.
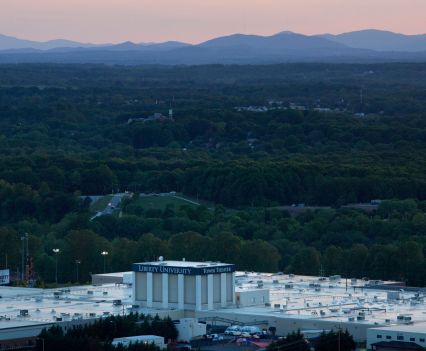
(142, 339)
(184, 285)
(407, 333)
(189, 328)
(252, 297)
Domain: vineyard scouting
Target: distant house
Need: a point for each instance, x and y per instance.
(155, 117)
(252, 109)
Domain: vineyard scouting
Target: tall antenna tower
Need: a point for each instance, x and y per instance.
(171, 109)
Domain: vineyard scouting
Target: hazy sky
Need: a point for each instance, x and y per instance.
(197, 20)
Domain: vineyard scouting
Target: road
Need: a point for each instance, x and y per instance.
(113, 205)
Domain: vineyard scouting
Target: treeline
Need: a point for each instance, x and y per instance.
(99, 335)
(387, 244)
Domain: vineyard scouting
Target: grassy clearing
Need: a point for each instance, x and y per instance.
(101, 203)
(161, 202)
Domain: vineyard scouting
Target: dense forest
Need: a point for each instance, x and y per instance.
(248, 140)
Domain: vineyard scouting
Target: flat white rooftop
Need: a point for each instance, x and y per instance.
(20, 307)
(114, 274)
(185, 264)
(338, 300)
(410, 328)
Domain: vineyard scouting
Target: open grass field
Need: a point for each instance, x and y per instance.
(157, 202)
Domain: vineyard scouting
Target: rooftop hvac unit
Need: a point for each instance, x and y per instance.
(23, 313)
(394, 295)
(335, 277)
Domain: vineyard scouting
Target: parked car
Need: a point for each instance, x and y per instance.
(215, 337)
(251, 330)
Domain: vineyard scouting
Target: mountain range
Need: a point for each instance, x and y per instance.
(359, 46)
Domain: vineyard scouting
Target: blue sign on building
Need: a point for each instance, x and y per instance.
(189, 270)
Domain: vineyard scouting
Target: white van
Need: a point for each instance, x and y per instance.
(234, 330)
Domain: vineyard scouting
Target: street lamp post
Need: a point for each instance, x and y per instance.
(77, 263)
(23, 238)
(104, 254)
(56, 252)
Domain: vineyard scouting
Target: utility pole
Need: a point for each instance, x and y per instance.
(77, 263)
(104, 254)
(23, 238)
(338, 339)
(56, 252)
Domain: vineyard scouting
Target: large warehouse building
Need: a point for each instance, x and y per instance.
(184, 285)
(214, 292)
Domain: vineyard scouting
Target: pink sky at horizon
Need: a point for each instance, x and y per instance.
(101, 21)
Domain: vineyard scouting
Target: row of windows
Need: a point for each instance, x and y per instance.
(399, 338)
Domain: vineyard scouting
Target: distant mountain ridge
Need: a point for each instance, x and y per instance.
(12, 43)
(378, 40)
(360, 46)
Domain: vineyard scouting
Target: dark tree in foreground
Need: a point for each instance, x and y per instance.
(335, 341)
(293, 342)
(98, 335)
